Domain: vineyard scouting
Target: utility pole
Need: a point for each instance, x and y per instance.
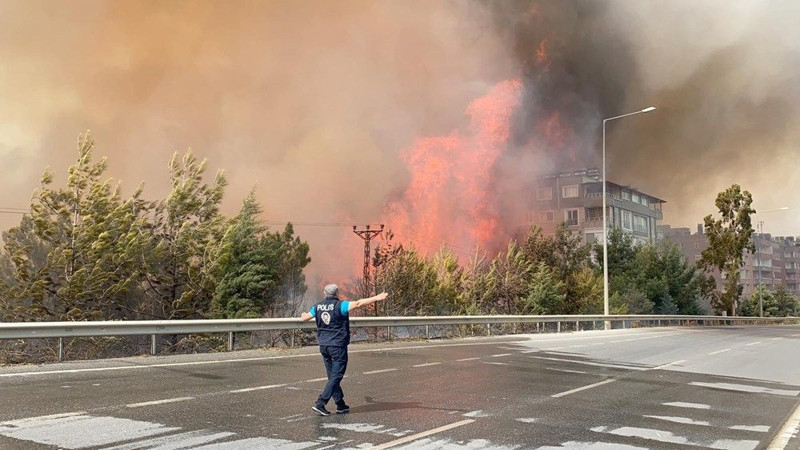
(367, 234)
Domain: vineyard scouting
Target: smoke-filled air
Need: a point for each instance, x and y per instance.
(432, 118)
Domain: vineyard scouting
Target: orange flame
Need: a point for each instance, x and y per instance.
(448, 199)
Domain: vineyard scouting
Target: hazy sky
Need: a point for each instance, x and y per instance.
(313, 102)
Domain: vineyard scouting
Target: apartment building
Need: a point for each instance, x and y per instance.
(576, 198)
(776, 261)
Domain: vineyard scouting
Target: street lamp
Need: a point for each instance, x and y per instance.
(605, 226)
(758, 260)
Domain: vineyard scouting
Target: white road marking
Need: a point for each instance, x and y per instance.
(566, 370)
(795, 335)
(583, 388)
(496, 363)
(667, 436)
(575, 445)
(752, 343)
(314, 380)
(423, 434)
(159, 402)
(688, 405)
(589, 363)
(467, 359)
(500, 355)
(664, 366)
(257, 388)
(378, 371)
(684, 420)
(746, 388)
(720, 351)
(80, 431)
(527, 419)
(478, 413)
(175, 441)
(776, 338)
(789, 429)
(294, 416)
(366, 428)
(427, 364)
(756, 428)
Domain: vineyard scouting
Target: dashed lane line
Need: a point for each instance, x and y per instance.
(159, 402)
(371, 372)
(583, 388)
(427, 364)
(257, 388)
(720, 351)
(752, 343)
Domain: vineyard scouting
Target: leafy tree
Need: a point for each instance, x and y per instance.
(185, 227)
(728, 238)
(475, 285)
(546, 293)
(411, 280)
(586, 286)
(292, 260)
(508, 279)
(780, 303)
(91, 238)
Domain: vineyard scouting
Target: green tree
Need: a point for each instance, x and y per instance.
(183, 235)
(248, 266)
(728, 238)
(292, 261)
(411, 280)
(92, 239)
(546, 293)
(508, 279)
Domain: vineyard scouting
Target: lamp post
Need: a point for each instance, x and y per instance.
(605, 225)
(758, 260)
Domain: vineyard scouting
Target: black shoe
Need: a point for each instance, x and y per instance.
(321, 410)
(343, 409)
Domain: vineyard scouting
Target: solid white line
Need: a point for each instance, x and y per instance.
(258, 388)
(720, 351)
(688, 405)
(315, 380)
(378, 371)
(159, 402)
(572, 391)
(467, 359)
(496, 363)
(752, 343)
(414, 437)
(500, 354)
(427, 364)
(789, 429)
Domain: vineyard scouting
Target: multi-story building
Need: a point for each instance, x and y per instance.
(776, 261)
(576, 198)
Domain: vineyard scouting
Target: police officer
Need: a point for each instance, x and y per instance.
(333, 333)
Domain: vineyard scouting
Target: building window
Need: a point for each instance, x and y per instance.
(697, 246)
(643, 201)
(639, 224)
(571, 217)
(544, 216)
(635, 198)
(594, 214)
(626, 195)
(544, 193)
(570, 191)
(626, 220)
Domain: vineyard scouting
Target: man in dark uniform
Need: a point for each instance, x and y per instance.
(333, 333)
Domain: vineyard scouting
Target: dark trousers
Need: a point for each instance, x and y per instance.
(335, 359)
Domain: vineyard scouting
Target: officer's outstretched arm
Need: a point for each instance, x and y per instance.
(305, 317)
(366, 301)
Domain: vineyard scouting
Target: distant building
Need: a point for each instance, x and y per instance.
(776, 261)
(576, 198)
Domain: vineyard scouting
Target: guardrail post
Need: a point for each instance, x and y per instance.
(230, 341)
(488, 329)
(389, 333)
(427, 335)
(292, 341)
(577, 325)
(152, 344)
(558, 327)
(60, 349)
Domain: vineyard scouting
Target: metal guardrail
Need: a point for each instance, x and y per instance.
(61, 330)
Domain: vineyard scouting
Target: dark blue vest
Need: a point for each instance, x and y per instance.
(333, 328)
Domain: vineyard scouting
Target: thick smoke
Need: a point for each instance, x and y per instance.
(311, 102)
(725, 77)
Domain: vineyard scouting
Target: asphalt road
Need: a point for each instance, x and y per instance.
(728, 388)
